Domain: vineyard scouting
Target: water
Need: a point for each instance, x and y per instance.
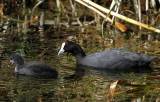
(75, 84)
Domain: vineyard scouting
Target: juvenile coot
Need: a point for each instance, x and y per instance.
(32, 69)
(113, 59)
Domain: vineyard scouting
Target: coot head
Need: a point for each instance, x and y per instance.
(17, 59)
(68, 46)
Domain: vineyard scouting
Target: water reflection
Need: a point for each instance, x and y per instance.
(75, 83)
(31, 89)
(81, 71)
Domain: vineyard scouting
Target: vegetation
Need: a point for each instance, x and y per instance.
(36, 28)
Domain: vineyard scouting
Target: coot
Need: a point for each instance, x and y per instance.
(32, 69)
(113, 59)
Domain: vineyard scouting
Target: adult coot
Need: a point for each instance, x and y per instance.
(32, 69)
(113, 59)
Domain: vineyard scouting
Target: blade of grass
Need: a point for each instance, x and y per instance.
(107, 17)
(39, 2)
(12, 19)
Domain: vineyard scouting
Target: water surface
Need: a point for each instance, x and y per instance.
(74, 84)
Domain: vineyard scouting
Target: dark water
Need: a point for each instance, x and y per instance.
(75, 84)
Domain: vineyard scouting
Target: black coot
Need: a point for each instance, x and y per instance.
(32, 69)
(113, 59)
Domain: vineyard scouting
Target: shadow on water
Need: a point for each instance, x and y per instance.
(81, 71)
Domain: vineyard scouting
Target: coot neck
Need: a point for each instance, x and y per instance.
(18, 67)
(79, 54)
(19, 61)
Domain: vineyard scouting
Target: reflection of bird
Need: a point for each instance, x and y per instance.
(32, 69)
(114, 59)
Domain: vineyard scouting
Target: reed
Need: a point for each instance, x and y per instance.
(127, 19)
